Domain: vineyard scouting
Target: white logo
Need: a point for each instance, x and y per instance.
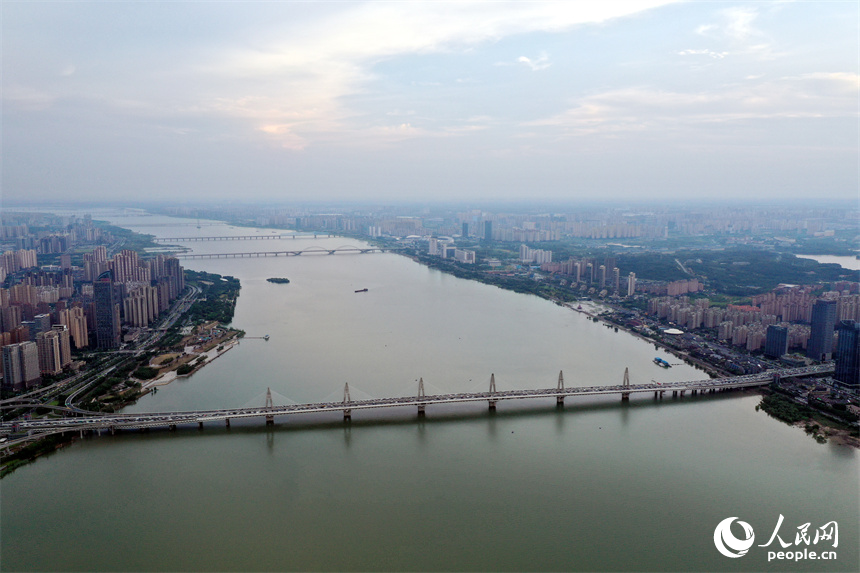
(727, 543)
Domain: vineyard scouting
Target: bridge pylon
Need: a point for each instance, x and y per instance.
(492, 391)
(347, 412)
(270, 419)
(625, 396)
(559, 400)
(421, 395)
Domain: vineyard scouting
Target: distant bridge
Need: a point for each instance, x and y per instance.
(240, 237)
(113, 422)
(294, 253)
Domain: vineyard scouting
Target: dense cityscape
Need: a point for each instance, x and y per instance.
(74, 290)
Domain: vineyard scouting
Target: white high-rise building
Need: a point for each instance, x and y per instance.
(631, 284)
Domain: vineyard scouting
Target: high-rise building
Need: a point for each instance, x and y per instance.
(631, 284)
(848, 354)
(42, 323)
(48, 344)
(107, 313)
(488, 231)
(776, 341)
(616, 280)
(75, 319)
(820, 346)
(65, 344)
(465, 231)
(21, 365)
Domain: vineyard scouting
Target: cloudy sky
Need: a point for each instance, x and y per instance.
(645, 99)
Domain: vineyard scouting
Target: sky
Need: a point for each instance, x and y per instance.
(564, 101)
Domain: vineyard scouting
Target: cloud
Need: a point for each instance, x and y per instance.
(657, 112)
(715, 55)
(301, 74)
(541, 63)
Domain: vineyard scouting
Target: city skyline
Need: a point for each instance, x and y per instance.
(387, 101)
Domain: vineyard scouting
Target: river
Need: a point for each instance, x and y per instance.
(594, 486)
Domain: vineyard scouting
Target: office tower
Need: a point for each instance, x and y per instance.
(776, 341)
(488, 231)
(465, 231)
(107, 313)
(48, 344)
(602, 274)
(21, 365)
(631, 284)
(820, 346)
(848, 353)
(616, 280)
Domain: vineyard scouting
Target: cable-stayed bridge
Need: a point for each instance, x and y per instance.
(291, 253)
(172, 420)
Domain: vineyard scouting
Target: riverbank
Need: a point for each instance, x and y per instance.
(816, 424)
(207, 358)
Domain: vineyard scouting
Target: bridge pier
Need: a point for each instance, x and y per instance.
(492, 403)
(674, 393)
(171, 427)
(421, 407)
(347, 412)
(625, 396)
(227, 422)
(559, 400)
(682, 393)
(199, 425)
(270, 419)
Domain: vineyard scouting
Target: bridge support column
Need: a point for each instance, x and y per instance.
(674, 393)
(270, 419)
(199, 425)
(347, 412)
(655, 394)
(559, 400)
(661, 394)
(171, 427)
(112, 430)
(421, 407)
(625, 396)
(227, 422)
(682, 393)
(492, 403)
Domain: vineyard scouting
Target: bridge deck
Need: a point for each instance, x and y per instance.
(131, 421)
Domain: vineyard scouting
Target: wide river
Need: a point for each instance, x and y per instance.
(594, 486)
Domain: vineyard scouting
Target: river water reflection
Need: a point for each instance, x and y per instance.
(593, 486)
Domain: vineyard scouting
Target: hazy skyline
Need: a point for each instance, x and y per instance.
(415, 101)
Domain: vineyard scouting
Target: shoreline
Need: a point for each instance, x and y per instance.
(171, 375)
